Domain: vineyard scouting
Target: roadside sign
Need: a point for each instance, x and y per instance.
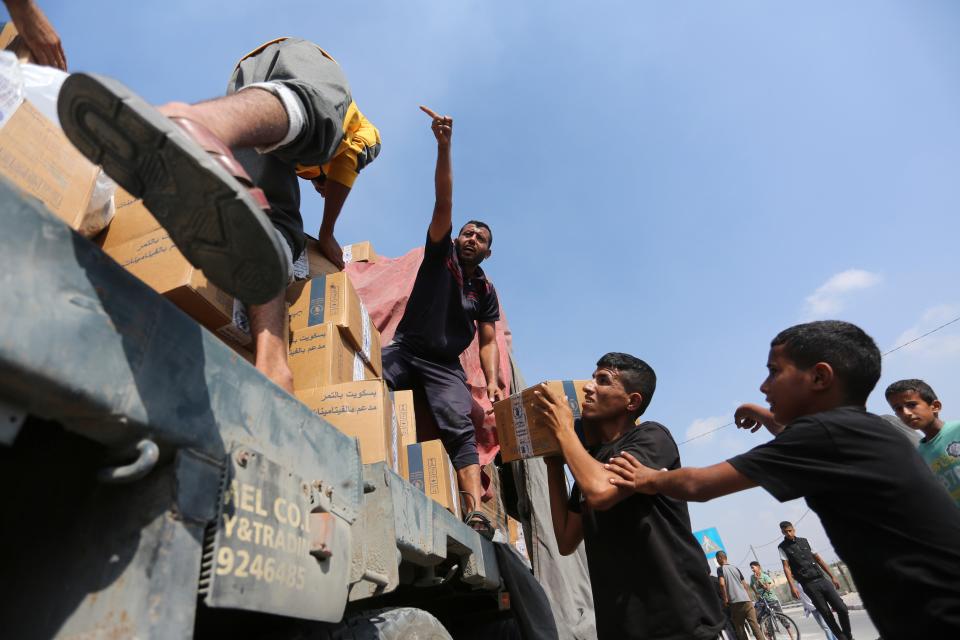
(709, 540)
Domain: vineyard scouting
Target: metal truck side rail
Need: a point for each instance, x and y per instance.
(241, 491)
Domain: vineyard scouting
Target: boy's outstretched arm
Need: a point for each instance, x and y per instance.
(696, 484)
(753, 416)
(442, 221)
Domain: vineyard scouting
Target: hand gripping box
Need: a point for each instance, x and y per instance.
(361, 410)
(430, 470)
(520, 429)
(319, 356)
(332, 298)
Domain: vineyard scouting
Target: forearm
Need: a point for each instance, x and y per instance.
(442, 219)
(489, 361)
(592, 478)
(787, 573)
(333, 201)
(559, 510)
(697, 484)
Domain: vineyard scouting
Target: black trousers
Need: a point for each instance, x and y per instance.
(823, 595)
(445, 386)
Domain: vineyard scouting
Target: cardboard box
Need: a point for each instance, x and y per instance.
(520, 430)
(156, 261)
(405, 416)
(430, 470)
(131, 221)
(361, 410)
(311, 263)
(37, 158)
(11, 40)
(332, 298)
(320, 356)
(359, 252)
(516, 538)
(494, 508)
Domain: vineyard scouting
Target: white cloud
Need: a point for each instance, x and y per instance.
(829, 298)
(703, 429)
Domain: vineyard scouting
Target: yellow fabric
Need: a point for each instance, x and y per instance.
(359, 135)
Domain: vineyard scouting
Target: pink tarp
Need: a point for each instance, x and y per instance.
(384, 287)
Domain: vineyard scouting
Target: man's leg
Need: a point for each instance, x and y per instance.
(251, 118)
(815, 591)
(739, 614)
(186, 176)
(751, 613)
(834, 600)
(450, 403)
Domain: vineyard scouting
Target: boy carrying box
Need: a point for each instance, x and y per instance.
(887, 516)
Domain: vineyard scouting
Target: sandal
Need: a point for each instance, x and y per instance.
(187, 178)
(479, 522)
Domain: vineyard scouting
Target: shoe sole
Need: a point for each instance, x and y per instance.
(210, 217)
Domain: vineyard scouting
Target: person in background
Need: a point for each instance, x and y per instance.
(762, 585)
(917, 406)
(736, 595)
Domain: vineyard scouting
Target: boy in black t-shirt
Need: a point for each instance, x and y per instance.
(648, 574)
(887, 516)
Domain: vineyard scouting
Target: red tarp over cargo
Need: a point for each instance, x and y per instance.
(384, 287)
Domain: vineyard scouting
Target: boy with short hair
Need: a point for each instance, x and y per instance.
(917, 406)
(887, 516)
(648, 574)
(762, 585)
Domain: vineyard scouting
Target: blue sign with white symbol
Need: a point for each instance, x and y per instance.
(709, 540)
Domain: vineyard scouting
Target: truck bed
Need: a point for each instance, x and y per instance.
(94, 361)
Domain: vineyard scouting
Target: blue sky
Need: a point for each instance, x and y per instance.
(678, 180)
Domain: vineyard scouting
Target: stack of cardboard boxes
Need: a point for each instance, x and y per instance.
(337, 371)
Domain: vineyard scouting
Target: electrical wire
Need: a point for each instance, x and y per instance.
(882, 355)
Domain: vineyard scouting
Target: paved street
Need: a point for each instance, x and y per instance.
(860, 624)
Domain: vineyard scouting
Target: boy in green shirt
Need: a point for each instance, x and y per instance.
(917, 406)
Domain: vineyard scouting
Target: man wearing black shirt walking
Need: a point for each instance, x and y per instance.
(803, 564)
(451, 301)
(648, 574)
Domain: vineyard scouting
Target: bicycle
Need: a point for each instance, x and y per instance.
(776, 625)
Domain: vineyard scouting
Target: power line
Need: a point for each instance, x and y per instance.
(706, 433)
(882, 355)
(918, 338)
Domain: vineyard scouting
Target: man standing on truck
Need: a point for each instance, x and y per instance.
(451, 301)
(648, 574)
(289, 112)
